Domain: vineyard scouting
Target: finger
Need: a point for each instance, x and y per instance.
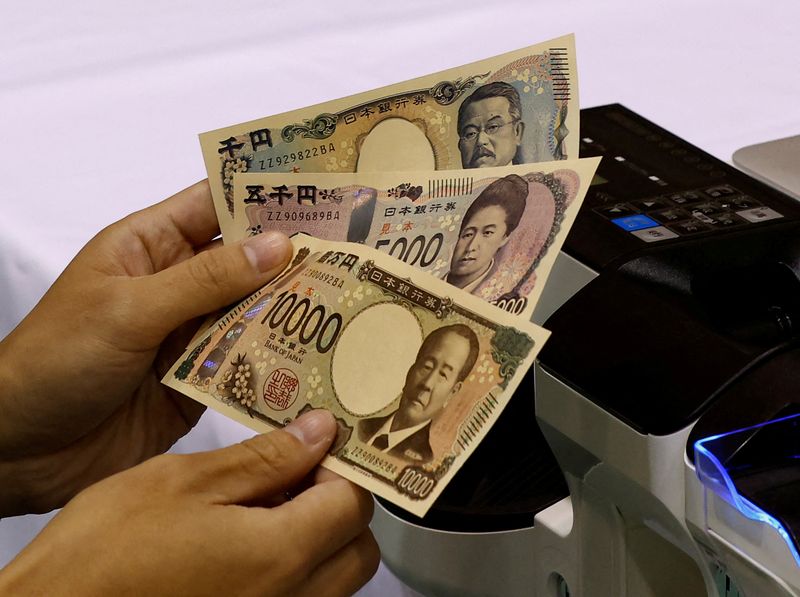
(318, 475)
(345, 571)
(211, 279)
(209, 246)
(326, 517)
(191, 212)
(324, 475)
(264, 465)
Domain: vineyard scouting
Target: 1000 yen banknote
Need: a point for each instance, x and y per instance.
(414, 370)
(519, 107)
(494, 233)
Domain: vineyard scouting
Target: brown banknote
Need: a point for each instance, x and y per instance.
(519, 107)
(494, 232)
(414, 370)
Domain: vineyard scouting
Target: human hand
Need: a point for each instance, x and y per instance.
(80, 391)
(200, 524)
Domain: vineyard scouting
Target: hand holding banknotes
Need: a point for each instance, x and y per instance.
(81, 400)
(81, 397)
(175, 525)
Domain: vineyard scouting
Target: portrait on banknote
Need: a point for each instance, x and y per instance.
(485, 229)
(493, 232)
(517, 108)
(490, 127)
(414, 370)
(445, 358)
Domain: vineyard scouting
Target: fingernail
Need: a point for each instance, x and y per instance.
(267, 250)
(313, 427)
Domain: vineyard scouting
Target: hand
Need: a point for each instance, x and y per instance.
(197, 525)
(80, 391)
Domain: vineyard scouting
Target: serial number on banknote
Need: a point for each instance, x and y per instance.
(300, 216)
(296, 156)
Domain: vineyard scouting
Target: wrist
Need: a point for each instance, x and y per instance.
(11, 397)
(41, 483)
(33, 416)
(28, 574)
(14, 580)
(14, 478)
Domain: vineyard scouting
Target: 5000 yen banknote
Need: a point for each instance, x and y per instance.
(519, 107)
(414, 370)
(494, 233)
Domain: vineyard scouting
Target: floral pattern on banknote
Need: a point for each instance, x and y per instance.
(234, 386)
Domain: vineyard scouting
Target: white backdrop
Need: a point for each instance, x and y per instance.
(101, 102)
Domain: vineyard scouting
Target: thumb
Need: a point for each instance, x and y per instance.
(267, 464)
(214, 279)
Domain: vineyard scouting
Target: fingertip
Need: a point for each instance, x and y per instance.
(313, 428)
(267, 250)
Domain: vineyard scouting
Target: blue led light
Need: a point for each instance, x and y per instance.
(714, 476)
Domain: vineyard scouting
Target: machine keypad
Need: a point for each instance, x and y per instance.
(687, 213)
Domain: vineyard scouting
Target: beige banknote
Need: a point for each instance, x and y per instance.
(414, 370)
(494, 232)
(519, 107)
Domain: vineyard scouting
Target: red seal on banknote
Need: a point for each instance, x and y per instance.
(281, 389)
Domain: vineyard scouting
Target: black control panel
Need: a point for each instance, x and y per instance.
(654, 188)
(699, 283)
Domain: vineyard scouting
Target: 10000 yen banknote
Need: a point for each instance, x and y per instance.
(414, 370)
(494, 233)
(519, 107)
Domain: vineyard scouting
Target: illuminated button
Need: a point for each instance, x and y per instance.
(637, 222)
(652, 235)
(759, 214)
(725, 205)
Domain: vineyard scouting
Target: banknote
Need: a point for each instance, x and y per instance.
(494, 233)
(519, 107)
(414, 370)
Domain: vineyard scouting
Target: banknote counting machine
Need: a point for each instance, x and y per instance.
(655, 447)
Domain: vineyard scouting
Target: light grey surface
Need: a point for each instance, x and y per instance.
(567, 277)
(101, 103)
(776, 163)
